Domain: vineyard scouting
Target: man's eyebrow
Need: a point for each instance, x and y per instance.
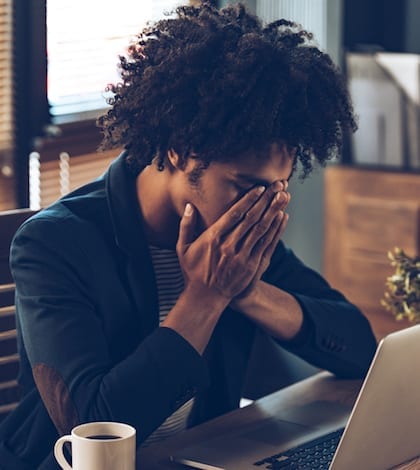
(253, 180)
(257, 181)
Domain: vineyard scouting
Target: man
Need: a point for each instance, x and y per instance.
(138, 295)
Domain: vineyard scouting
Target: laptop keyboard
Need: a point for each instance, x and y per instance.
(313, 455)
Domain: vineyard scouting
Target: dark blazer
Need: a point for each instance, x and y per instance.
(88, 334)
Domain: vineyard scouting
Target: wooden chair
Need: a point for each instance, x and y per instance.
(9, 359)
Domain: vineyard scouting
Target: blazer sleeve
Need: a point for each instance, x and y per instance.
(335, 336)
(68, 350)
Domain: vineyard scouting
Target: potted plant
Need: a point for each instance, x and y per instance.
(402, 295)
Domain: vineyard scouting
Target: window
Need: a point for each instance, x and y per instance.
(84, 40)
(83, 49)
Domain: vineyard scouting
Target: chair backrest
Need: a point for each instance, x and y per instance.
(9, 359)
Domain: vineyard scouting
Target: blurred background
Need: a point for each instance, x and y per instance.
(56, 58)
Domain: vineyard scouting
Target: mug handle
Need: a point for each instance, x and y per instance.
(59, 454)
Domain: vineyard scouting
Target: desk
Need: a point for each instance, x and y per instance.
(321, 386)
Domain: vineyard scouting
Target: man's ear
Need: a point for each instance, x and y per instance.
(175, 162)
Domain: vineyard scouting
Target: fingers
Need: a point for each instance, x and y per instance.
(236, 213)
(262, 235)
(258, 212)
(186, 228)
(285, 196)
(281, 230)
(286, 199)
(265, 247)
(265, 225)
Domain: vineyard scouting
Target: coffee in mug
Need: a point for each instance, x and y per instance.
(99, 446)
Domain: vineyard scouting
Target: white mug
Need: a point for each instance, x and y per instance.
(99, 446)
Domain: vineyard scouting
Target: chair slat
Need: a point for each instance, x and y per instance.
(8, 384)
(7, 288)
(9, 310)
(5, 409)
(6, 335)
(9, 359)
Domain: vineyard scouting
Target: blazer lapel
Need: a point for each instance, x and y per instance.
(129, 236)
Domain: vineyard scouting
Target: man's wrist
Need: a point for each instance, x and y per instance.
(195, 314)
(205, 298)
(244, 302)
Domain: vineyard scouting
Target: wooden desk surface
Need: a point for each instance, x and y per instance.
(321, 386)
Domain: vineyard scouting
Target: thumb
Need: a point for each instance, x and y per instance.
(186, 227)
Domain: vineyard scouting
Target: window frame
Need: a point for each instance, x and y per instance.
(30, 68)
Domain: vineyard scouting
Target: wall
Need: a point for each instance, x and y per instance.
(251, 4)
(412, 32)
(305, 231)
(305, 234)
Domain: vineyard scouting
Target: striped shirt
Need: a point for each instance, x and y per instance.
(170, 284)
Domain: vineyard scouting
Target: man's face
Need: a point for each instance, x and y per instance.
(222, 184)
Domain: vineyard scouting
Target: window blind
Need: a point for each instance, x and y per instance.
(49, 180)
(311, 14)
(84, 40)
(6, 94)
(321, 17)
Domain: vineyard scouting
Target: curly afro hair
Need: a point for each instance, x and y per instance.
(217, 84)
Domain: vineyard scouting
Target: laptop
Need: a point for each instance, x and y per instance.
(382, 429)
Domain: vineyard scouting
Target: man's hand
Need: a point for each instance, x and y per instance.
(232, 254)
(225, 260)
(268, 253)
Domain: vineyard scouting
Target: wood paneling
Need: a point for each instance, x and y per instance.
(7, 193)
(367, 214)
